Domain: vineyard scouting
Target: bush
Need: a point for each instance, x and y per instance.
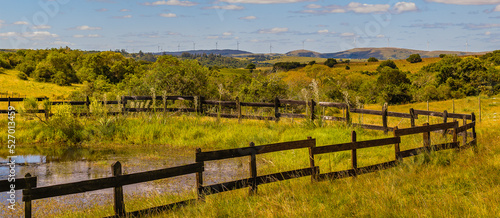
(387, 63)
(5, 64)
(414, 58)
(330, 62)
(347, 67)
(22, 76)
(372, 59)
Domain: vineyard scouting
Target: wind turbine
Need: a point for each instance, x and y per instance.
(270, 48)
(467, 46)
(179, 47)
(194, 46)
(216, 43)
(237, 45)
(303, 42)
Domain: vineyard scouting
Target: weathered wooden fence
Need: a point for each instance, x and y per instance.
(31, 192)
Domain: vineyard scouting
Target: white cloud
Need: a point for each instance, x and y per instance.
(8, 34)
(347, 34)
(102, 10)
(482, 26)
(274, 30)
(467, 2)
(497, 8)
(227, 34)
(248, 18)
(264, 1)
(1, 23)
(380, 36)
(226, 7)
(87, 36)
(124, 10)
(401, 7)
(123, 17)
(20, 23)
(367, 8)
(168, 15)
(323, 31)
(212, 37)
(487, 33)
(172, 2)
(62, 43)
(85, 27)
(42, 27)
(313, 6)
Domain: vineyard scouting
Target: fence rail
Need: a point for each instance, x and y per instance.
(31, 192)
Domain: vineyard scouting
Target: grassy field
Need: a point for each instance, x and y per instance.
(440, 184)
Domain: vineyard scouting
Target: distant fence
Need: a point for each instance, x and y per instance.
(199, 106)
(31, 192)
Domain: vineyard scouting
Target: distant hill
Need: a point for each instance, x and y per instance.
(224, 52)
(390, 53)
(304, 53)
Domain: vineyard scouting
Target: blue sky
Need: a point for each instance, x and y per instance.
(258, 26)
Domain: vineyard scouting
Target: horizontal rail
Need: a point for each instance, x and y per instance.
(223, 103)
(155, 210)
(373, 127)
(246, 151)
(359, 171)
(20, 183)
(380, 113)
(257, 104)
(440, 114)
(465, 127)
(21, 99)
(144, 98)
(222, 115)
(109, 182)
(69, 102)
(243, 183)
(292, 115)
(416, 151)
(332, 104)
(355, 145)
(333, 118)
(293, 102)
(422, 129)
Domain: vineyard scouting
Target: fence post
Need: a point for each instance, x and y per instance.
(412, 117)
(473, 118)
(479, 102)
(427, 137)
(277, 109)
(347, 114)
(238, 108)
(27, 197)
(464, 132)
(384, 118)
(87, 103)
(354, 158)
(313, 104)
(445, 120)
(124, 104)
(397, 150)
(199, 178)
(314, 175)
(253, 171)
(455, 136)
(119, 205)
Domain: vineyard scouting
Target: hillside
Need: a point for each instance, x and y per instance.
(391, 53)
(304, 53)
(224, 52)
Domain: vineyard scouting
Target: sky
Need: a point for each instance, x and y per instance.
(258, 26)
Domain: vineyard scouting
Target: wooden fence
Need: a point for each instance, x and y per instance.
(31, 192)
(201, 106)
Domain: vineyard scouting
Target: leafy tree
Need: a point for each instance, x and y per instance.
(372, 59)
(251, 67)
(387, 63)
(414, 58)
(286, 66)
(312, 63)
(330, 62)
(394, 86)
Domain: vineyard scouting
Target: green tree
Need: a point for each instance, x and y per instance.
(251, 67)
(372, 59)
(330, 62)
(387, 63)
(414, 58)
(394, 86)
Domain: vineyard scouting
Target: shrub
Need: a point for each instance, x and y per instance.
(22, 76)
(372, 59)
(347, 67)
(330, 62)
(387, 63)
(5, 64)
(414, 58)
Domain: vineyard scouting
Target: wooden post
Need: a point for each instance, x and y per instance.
(347, 115)
(27, 197)
(314, 175)
(313, 104)
(124, 104)
(428, 110)
(354, 158)
(238, 108)
(119, 205)
(199, 179)
(455, 136)
(277, 109)
(445, 120)
(201, 105)
(412, 117)
(253, 171)
(464, 132)
(87, 103)
(427, 137)
(384, 118)
(474, 128)
(453, 105)
(397, 150)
